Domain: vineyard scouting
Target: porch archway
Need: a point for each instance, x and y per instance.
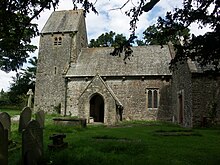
(97, 108)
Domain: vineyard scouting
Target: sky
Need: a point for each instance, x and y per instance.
(110, 18)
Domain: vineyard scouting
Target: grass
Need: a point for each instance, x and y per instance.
(11, 112)
(130, 143)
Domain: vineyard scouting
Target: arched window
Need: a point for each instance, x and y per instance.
(60, 41)
(149, 95)
(152, 98)
(57, 41)
(155, 99)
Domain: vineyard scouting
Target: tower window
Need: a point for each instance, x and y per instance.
(60, 41)
(55, 70)
(57, 41)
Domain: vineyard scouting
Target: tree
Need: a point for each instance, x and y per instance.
(17, 29)
(23, 81)
(203, 48)
(104, 40)
(153, 35)
(118, 41)
(107, 40)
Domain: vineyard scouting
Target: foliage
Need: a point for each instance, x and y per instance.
(153, 35)
(17, 30)
(203, 48)
(4, 98)
(108, 40)
(23, 81)
(118, 41)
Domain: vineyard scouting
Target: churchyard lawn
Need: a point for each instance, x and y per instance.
(128, 143)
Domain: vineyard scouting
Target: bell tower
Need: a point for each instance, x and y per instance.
(61, 40)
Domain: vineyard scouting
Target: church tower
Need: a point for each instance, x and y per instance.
(61, 40)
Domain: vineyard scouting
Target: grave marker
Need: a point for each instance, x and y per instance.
(30, 94)
(5, 119)
(25, 117)
(32, 143)
(3, 145)
(40, 117)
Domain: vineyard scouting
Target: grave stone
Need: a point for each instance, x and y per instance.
(5, 119)
(3, 145)
(25, 117)
(40, 117)
(32, 143)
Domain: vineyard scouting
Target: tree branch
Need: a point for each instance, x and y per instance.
(149, 5)
(119, 8)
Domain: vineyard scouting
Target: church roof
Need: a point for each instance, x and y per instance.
(146, 60)
(194, 67)
(63, 21)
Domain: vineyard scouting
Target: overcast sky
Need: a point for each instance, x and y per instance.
(107, 20)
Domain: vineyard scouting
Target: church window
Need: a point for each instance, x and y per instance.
(60, 41)
(149, 95)
(55, 70)
(57, 41)
(152, 98)
(155, 98)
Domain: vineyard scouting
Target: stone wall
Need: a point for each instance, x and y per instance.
(182, 86)
(131, 92)
(52, 62)
(206, 92)
(199, 92)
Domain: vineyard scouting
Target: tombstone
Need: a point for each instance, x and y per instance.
(30, 94)
(25, 117)
(3, 145)
(40, 117)
(5, 119)
(32, 144)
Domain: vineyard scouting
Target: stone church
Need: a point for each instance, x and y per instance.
(90, 83)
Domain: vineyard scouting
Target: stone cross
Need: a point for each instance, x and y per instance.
(30, 94)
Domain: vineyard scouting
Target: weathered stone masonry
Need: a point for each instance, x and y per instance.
(92, 84)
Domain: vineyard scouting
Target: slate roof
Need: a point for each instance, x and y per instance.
(146, 60)
(194, 67)
(63, 21)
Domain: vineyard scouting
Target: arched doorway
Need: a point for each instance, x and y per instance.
(97, 108)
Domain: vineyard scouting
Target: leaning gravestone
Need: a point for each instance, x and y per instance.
(40, 117)
(25, 117)
(3, 145)
(32, 143)
(5, 119)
